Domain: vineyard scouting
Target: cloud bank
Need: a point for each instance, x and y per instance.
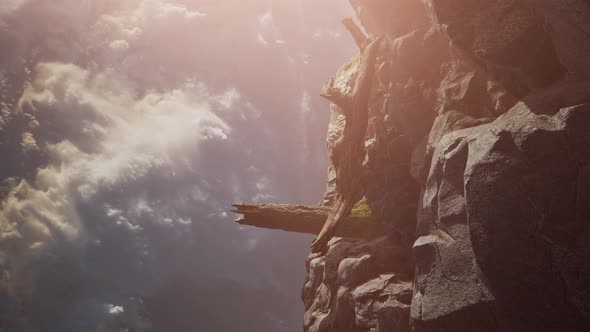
(127, 130)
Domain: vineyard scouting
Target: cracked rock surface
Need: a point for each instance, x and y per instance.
(478, 166)
(355, 287)
(504, 234)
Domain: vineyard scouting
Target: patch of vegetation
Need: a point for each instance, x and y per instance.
(363, 212)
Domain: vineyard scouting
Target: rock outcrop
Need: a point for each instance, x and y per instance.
(355, 287)
(478, 150)
(477, 165)
(504, 234)
(361, 223)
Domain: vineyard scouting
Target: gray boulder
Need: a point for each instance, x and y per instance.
(505, 226)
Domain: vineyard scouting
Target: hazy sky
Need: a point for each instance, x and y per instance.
(127, 129)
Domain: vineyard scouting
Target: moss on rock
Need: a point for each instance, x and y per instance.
(363, 212)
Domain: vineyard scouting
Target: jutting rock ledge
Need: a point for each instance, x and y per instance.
(309, 219)
(475, 173)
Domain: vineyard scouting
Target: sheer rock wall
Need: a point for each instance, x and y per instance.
(477, 164)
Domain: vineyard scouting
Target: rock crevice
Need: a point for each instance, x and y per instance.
(475, 165)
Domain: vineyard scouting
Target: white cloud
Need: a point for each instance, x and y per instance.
(124, 202)
(186, 221)
(264, 190)
(213, 133)
(263, 183)
(135, 135)
(167, 9)
(115, 309)
(132, 32)
(148, 14)
(28, 143)
(229, 98)
(136, 140)
(38, 215)
(119, 44)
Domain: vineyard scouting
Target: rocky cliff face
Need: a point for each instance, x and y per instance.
(477, 164)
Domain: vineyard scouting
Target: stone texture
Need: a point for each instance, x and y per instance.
(504, 227)
(508, 37)
(478, 163)
(358, 286)
(394, 18)
(419, 77)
